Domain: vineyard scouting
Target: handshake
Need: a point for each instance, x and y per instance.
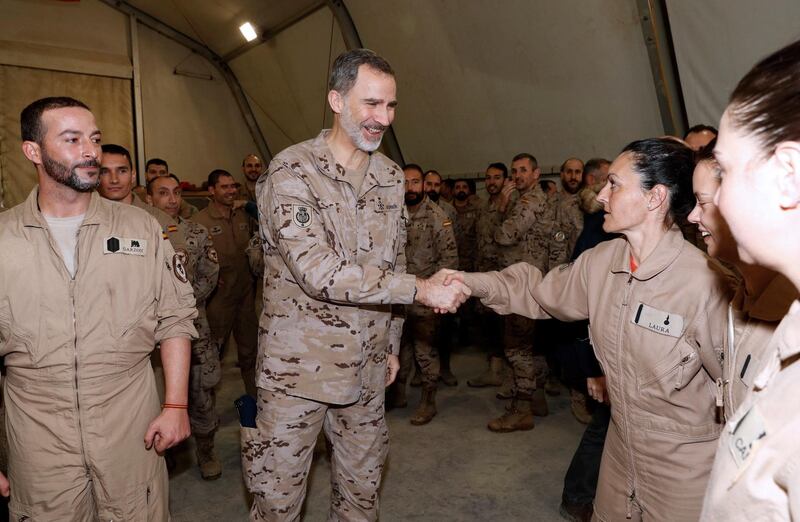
(444, 291)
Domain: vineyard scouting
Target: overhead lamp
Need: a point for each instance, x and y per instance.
(248, 31)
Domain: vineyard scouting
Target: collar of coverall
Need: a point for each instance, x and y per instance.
(32, 216)
(326, 164)
(667, 250)
(772, 304)
(786, 340)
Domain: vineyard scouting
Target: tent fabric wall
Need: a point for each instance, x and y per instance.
(109, 99)
(286, 79)
(479, 83)
(192, 123)
(718, 41)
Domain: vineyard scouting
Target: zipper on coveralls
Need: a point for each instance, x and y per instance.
(620, 326)
(75, 349)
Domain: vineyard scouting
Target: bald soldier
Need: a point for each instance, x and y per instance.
(568, 215)
(252, 168)
(89, 287)
(202, 266)
(231, 307)
(333, 222)
(430, 246)
(523, 236)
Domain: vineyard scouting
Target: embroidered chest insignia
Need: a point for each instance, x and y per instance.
(121, 245)
(301, 216)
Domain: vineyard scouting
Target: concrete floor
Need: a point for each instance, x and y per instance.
(452, 469)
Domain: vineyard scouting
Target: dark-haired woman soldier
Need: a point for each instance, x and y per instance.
(756, 473)
(648, 297)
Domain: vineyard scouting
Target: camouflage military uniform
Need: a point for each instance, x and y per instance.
(334, 261)
(231, 306)
(449, 210)
(187, 210)
(431, 246)
(202, 266)
(568, 224)
(523, 236)
(487, 259)
(466, 236)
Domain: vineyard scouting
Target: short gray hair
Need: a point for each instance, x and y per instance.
(345, 68)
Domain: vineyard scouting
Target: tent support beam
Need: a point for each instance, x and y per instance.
(271, 32)
(353, 41)
(658, 40)
(197, 47)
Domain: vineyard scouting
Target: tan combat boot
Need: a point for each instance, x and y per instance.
(578, 407)
(519, 418)
(493, 376)
(427, 406)
(207, 459)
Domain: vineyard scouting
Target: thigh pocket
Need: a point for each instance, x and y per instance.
(256, 458)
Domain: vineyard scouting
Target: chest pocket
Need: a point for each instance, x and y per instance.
(672, 373)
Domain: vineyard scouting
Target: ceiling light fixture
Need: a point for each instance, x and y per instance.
(248, 31)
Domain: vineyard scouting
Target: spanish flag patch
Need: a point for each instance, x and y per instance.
(164, 236)
(172, 228)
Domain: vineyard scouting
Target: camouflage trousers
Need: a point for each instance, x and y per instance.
(276, 455)
(419, 336)
(204, 374)
(527, 367)
(232, 310)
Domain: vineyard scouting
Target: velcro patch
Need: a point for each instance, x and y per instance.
(215, 230)
(121, 245)
(745, 434)
(658, 321)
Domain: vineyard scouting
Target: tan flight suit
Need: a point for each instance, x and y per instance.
(79, 390)
(231, 306)
(168, 225)
(524, 236)
(246, 192)
(335, 260)
(756, 474)
(431, 246)
(187, 210)
(660, 347)
(751, 322)
(202, 265)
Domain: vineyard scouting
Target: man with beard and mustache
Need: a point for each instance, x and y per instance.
(333, 222)
(568, 215)
(433, 188)
(523, 236)
(231, 307)
(89, 288)
(252, 168)
(431, 246)
(488, 259)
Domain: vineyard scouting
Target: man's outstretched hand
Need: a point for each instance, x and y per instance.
(443, 291)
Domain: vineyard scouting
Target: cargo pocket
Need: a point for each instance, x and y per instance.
(256, 454)
(18, 512)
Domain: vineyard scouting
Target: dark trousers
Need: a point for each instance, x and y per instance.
(580, 483)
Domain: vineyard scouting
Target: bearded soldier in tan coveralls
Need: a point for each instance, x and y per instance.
(333, 221)
(431, 246)
(523, 236)
(202, 265)
(80, 314)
